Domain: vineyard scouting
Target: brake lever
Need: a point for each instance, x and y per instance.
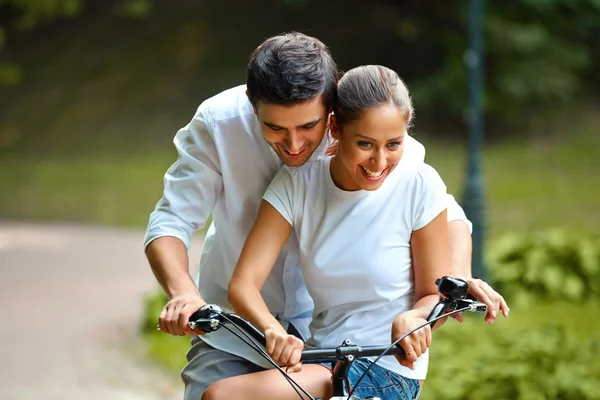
(207, 318)
(441, 308)
(474, 305)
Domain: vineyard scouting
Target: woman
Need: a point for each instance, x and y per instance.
(373, 238)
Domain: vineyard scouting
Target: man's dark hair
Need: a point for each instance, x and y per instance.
(291, 68)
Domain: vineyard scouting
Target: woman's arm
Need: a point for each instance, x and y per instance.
(264, 243)
(429, 247)
(430, 261)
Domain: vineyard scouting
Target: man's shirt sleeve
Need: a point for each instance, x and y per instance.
(456, 213)
(191, 185)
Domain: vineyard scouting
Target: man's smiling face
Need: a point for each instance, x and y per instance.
(294, 132)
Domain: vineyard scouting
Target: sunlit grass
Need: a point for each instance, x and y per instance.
(526, 188)
(531, 188)
(113, 189)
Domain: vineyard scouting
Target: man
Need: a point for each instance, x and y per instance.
(228, 154)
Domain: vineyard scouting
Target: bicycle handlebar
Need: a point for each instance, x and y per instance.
(454, 299)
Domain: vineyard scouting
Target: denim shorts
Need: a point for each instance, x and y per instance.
(380, 382)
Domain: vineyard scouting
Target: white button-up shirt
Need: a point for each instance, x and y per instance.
(224, 168)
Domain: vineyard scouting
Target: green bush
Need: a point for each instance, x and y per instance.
(552, 264)
(505, 361)
(153, 305)
(168, 350)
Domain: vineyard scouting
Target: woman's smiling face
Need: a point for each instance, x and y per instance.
(369, 148)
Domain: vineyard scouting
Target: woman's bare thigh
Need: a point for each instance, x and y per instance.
(271, 384)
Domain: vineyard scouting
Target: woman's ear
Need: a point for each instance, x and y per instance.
(334, 128)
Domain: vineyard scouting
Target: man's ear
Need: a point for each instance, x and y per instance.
(253, 107)
(334, 128)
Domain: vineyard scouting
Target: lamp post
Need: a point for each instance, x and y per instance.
(473, 196)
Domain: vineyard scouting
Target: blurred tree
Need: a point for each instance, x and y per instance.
(22, 15)
(538, 55)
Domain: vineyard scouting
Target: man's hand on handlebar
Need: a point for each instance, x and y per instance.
(284, 349)
(176, 313)
(416, 343)
(484, 293)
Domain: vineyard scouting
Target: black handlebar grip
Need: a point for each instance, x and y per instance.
(201, 313)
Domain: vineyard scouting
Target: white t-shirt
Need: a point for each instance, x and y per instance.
(355, 249)
(224, 167)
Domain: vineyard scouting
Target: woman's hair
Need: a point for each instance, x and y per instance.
(291, 68)
(366, 87)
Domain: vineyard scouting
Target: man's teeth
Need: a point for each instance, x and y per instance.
(372, 174)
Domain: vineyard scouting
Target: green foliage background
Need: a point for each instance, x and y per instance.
(518, 359)
(540, 54)
(545, 265)
(549, 346)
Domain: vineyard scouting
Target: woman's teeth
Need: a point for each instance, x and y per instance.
(372, 174)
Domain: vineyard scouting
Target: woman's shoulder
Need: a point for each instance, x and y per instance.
(428, 181)
(420, 175)
(425, 171)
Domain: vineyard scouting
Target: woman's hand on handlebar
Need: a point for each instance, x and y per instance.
(284, 349)
(176, 314)
(416, 343)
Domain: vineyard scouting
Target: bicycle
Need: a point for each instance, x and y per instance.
(454, 299)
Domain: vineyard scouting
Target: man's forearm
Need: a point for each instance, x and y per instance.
(169, 261)
(460, 246)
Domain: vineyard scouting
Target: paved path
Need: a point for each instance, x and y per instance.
(70, 303)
